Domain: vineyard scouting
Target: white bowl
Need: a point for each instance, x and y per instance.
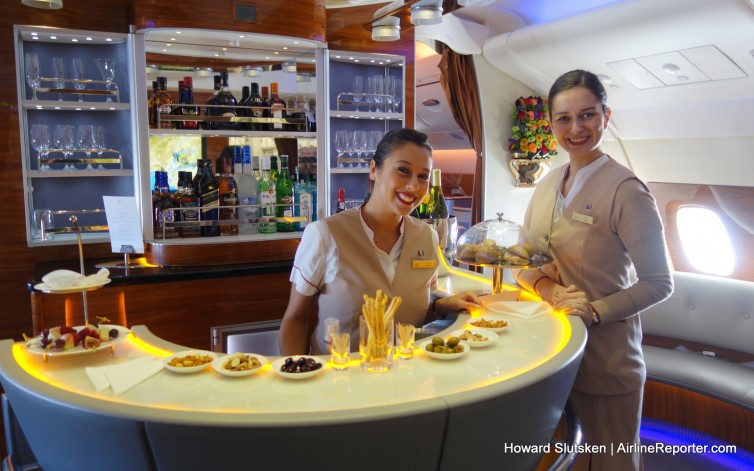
(219, 365)
(490, 335)
(277, 364)
(445, 356)
(492, 329)
(189, 369)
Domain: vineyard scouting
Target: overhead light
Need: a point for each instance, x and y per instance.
(289, 67)
(426, 14)
(203, 71)
(44, 4)
(304, 78)
(252, 71)
(386, 29)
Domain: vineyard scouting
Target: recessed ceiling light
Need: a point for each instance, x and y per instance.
(53, 37)
(671, 69)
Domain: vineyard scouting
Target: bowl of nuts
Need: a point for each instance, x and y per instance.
(298, 367)
(189, 361)
(239, 364)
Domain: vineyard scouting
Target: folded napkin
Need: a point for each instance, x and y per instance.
(525, 309)
(124, 376)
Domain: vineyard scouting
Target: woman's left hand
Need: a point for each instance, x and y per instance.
(458, 302)
(573, 302)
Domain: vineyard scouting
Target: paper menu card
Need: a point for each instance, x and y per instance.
(124, 223)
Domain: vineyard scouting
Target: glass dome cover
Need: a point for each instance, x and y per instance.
(498, 243)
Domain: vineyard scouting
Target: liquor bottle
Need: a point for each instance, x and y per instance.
(290, 104)
(242, 111)
(277, 108)
(258, 108)
(284, 196)
(274, 168)
(313, 191)
(248, 192)
(178, 110)
(209, 111)
(437, 208)
(162, 102)
(341, 200)
(188, 100)
(266, 198)
(227, 103)
(228, 196)
(151, 107)
(200, 169)
(163, 203)
(209, 200)
(305, 202)
(189, 204)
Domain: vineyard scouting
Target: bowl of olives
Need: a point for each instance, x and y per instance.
(445, 349)
(298, 367)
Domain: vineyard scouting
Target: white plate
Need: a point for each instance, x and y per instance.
(445, 356)
(491, 337)
(45, 288)
(189, 369)
(278, 363)
(218, 364)
(491, 329)
(33, 344)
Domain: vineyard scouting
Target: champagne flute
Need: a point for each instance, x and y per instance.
(107, 70)
(58, 73)
(99, 143)
(31, 69)
(40, 141)
(77, 74)
(64, 141)
(341, 137)
(397, 93)
(371, 90)
(358, 89)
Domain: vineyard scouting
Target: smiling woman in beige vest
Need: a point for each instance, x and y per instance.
(375, 246)
(601, 226)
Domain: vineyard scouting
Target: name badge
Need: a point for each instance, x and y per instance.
(585, 218)
(417, 263)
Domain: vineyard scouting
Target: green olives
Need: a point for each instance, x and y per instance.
(437, 341)
(452, 342)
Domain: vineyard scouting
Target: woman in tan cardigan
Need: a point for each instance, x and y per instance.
(600, 225)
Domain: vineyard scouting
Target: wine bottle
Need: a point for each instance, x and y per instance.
(190, 109)
(257, 110)
(277, 108)
(210, 110)
(242, 111)
(284, 196)
(227, 195)
(437, 208)
(267, 199)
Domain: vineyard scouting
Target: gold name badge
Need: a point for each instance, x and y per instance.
(583, 218)
(423, 263)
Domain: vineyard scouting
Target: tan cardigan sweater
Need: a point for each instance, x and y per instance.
(609, 242)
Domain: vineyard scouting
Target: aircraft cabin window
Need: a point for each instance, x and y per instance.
(705, 240)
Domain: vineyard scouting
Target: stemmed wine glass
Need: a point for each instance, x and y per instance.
(40, 141)
(107, 70)
(77, 74)
(85, 141)
(58, 72)
(358, 89)
(31, 68)
(359, 145)
(64, 141)
(371, 90)
(99, 143)
(341, 145)
(396, 93)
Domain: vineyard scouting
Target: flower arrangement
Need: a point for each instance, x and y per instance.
(531, 129)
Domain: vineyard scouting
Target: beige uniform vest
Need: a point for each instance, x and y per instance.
(359, 272)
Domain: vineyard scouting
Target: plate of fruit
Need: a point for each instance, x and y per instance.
(239, 364)
(476, 338)
(445, 349)
(69, 340)
(298, 367)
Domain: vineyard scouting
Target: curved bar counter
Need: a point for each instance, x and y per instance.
(424, 413)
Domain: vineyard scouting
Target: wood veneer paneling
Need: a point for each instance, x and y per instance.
(222, 253)
(698, 412)
(180, 312)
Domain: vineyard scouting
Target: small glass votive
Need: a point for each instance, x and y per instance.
(41, 223)
(406, 334)
(340, 350)
(330, 326)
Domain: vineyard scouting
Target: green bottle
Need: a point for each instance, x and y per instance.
(284, 196)
(267, 224)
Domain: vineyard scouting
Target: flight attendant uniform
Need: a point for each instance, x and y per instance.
(338, 261)
(606, 238)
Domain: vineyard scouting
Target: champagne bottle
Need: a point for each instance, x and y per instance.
(267, 198)
(227, 195)
(284, 196)
(437, 208)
